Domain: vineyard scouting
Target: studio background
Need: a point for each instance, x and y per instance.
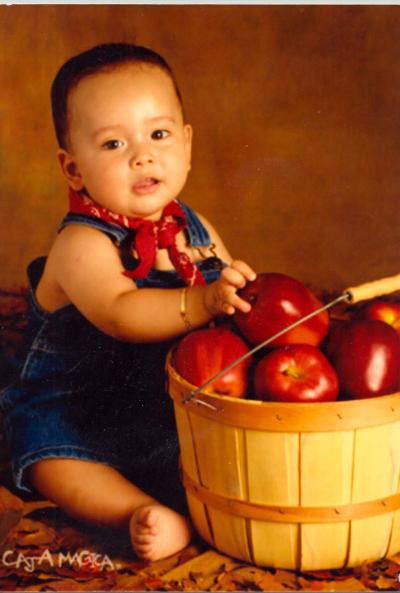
(296, 116)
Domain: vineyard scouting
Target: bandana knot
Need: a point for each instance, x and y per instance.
(148, 236)
(166, 231)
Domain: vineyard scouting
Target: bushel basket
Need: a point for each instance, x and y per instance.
(298, 486)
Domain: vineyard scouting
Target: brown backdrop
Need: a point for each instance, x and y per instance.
(296, 116)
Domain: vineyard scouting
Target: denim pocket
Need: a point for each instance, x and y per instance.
(50, 354)
(47, 365)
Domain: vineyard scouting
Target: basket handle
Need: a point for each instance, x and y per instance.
(370, 290)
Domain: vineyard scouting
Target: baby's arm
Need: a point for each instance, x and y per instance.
(88, 269)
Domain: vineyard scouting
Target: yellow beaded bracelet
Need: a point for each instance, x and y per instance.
(185, 319)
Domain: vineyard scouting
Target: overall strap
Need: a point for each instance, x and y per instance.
(116, 233)
(198, 234)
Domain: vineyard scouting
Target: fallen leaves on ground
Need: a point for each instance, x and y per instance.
(47, 551)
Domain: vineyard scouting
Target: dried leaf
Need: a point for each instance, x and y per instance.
(246, 578)
(71, 539)
(319, 585)
(350, 584)
(10, 500)
(153, 584)
(127, 582)
(40, 587)
(287, 578)
(203, 582)
(208, 563)
(174, 586)
(270, 582)
(393, 570)
(395, 558)
(387, 584)
(44, 576)
(159, 567)
(6, 571)
(133, 566)
(8, 584)
(74, 573)
(33, 533)
(35, 505)
(190, 552)
(69, 585)
(368, 582)
(226, 583)
(307, 584)
(327, 575)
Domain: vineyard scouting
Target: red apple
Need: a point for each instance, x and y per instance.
(366, 356)
(296, 373)
(202, 353)
(277, 301)
(383, 311)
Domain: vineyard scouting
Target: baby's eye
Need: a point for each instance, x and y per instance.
(160, 134)
(112, 144)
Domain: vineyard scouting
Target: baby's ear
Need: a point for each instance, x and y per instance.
(188, 135)
(70, 169)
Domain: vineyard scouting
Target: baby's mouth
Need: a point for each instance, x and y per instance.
(146, 185)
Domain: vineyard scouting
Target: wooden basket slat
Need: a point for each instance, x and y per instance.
(198, 514)
(375, 474)
(376, 462)
(230, 534)
(275, 544)
(324, 546)
(223, 473)
(394, 543)
(186, 443)
(326, 460)
(369, 539)
(273, 478)
(220, 455)
(273, 467)
(189, 462)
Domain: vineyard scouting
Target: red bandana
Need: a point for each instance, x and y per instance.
(149, 236)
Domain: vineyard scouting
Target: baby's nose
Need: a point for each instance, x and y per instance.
(140, 161)
(141, 157)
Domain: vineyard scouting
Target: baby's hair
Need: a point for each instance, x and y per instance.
(100, 58)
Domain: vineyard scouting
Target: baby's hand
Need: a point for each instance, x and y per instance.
(220, 296)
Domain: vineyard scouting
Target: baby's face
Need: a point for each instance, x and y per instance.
(127, 141)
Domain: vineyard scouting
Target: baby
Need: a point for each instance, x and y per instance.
(132, 268)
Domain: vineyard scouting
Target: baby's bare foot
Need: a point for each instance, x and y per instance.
(157, 532)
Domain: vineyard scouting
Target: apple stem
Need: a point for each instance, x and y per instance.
(293, 372)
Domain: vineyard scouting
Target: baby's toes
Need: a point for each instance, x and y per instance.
(149, 517)
(144, 549)
(145, 530)
(139, 538)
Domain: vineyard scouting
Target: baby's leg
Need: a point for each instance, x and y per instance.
(99, 494)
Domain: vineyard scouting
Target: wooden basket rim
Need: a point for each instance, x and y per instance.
(285, 417)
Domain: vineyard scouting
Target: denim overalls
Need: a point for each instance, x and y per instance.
(84, 395)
